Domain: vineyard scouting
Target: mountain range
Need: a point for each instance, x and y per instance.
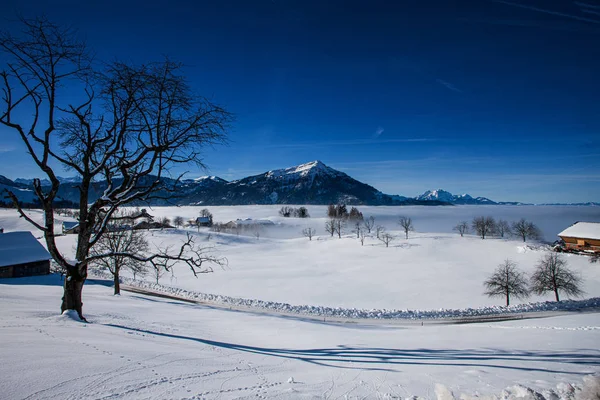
(310, 183)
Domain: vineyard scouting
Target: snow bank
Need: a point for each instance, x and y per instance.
(354, 313)
(589, 390)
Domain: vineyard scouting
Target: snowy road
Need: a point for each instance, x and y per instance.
(515, 316)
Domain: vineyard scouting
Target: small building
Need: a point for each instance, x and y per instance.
(22, 255)
(69, 227)
(203, 221)
(582, 236)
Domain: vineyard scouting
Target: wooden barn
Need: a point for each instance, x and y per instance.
(22, 255)
(582, 236)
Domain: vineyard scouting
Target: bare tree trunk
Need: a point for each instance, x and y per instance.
(556, 293)
(116, 281)
(71, 300)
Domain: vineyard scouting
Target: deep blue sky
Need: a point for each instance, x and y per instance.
(494, 98)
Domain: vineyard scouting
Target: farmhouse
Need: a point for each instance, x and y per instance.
(203, 221)
(582, 236)
(22, 255)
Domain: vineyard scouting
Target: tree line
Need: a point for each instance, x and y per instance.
(488, 226)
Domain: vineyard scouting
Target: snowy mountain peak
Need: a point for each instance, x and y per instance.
(312, 168)
(437, 194)
(447, 197)
(207, 178)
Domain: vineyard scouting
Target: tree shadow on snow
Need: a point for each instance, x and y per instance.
(383, 359)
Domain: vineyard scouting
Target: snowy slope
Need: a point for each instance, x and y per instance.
(138, 347)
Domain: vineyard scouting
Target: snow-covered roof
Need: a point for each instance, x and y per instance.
(584, 230)
(20, 248)
(70, 224)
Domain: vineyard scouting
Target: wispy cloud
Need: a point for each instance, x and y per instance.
(587, 5)
(6, 149)
(546, 11)
(378, 132)
(595, 12)
(448, 85)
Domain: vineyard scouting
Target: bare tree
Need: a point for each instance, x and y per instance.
(462, 228)
(138, 269)
(309, 232)
(406, 224)
(369, 223)
(158, 272)
(484, 226)
(386, 238)
(357, 228)
(363, 236)
(340, 226)
(553, 275)
(525, 229)
(165, 222)
(507, 281)
(379, 230)
(178, 221)
(286, 211)
(116, 242)
(330, 226)
(502, 228)
(133, 124)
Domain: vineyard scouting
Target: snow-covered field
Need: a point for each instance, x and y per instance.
(138, 347)
(142, 347)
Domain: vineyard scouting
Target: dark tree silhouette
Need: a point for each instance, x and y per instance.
(525, 229)
(484, 226)
(178, 221)
(503, 228)
(507, 281)
(553, 275)
(133, 124)
(286, 211)
(301, 212)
